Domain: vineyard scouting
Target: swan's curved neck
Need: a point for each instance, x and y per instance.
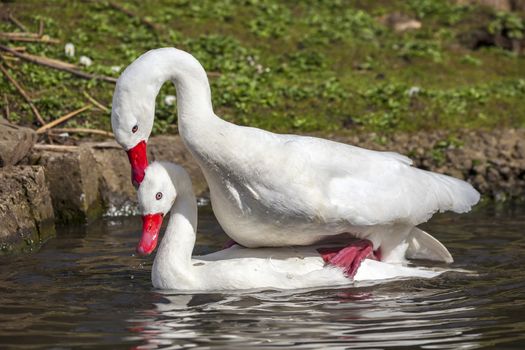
(140, 84)
(176, 247)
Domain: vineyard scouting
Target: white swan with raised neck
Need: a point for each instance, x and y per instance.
(270, 189)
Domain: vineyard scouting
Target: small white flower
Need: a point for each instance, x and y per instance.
(170, 100)
(69, 50)
(414, 90)
(116, 69)
(259, 68)
(85, 61)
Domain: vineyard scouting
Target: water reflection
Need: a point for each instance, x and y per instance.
(344, 318)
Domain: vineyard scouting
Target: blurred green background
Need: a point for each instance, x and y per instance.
(287, 66)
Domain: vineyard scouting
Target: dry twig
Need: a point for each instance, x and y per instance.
(27, 36)
(57, 64)
(17, 23)
(18, 34)
(84, 131)
(24, 95)
(29, 39)
(62, 119)
(95, 102)
(41, 28)
(7, 59)
(55, 148)
(6, 107)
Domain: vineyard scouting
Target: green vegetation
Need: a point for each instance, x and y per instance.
(305, 66)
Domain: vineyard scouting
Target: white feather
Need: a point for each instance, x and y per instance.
(237, 268)
(280, 190)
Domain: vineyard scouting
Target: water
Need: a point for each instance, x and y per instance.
(86, 289)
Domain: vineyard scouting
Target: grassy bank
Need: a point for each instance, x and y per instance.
(283, 65)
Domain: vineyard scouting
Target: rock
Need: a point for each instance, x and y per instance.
(15, 142)
(520, 149)
(118, 194)
(454, 172)
(399, 22)
(493, 175)
(26, 212)
(493, 161)
(479, 168)
(73, 179)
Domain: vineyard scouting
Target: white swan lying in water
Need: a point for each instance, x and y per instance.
(271, 190)
(167, 186)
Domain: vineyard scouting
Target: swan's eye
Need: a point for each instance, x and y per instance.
(134, 129)
(158, 196)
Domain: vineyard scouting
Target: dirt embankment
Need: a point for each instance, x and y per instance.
(492, 161)
(41, 184)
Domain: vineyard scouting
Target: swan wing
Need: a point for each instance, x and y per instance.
(331, 182)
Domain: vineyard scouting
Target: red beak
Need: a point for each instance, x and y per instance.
(138, 158)
(151, 224)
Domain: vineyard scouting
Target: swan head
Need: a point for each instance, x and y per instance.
(132, 115)
(133, 107)
(156, 195)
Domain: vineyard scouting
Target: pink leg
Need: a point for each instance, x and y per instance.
(349, 258)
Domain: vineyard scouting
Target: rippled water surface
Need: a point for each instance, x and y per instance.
(85, 289)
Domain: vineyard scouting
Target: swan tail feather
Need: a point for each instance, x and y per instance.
(422, 245)
(454, 194)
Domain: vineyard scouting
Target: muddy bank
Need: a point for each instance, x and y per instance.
(492, 161)
(76, 184)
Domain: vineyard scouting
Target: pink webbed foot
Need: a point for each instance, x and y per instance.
(349, 258)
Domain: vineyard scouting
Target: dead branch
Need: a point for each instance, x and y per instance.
(24, 95)
(130, 13)
(26, 36)
(96, 103)
(7, 59)
(6, 107)
(56, 64)
(62, 119)
(55, 148)
(17, 23)
(18, 34)
(41, 28)
(29, 39)
(84, 131)
(47, 61)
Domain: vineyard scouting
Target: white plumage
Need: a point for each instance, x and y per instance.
(236, 268)
(280, 190)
